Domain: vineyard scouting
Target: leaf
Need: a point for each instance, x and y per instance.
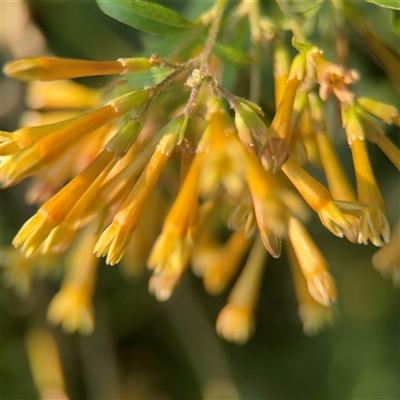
(395, 19)
(148, 78)
(231, 54)
(393, 4)
(145, 16)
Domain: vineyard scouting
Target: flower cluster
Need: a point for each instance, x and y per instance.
(106, 178)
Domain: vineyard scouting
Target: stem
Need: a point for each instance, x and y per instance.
(205, 56)
(155, 91)
(253, 11)
(212, 35)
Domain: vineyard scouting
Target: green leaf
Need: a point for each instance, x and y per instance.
(231, 54)
(395, 19)
(148, 78)
(145, 16)
(393, 4)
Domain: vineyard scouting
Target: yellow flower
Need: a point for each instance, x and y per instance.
(61, 95)
(116, 237)
(338, 183)
(279, 133)
(224, 265)
(374, 134)
(49, 69)
(318, 198)
(43, 145)
(373, 223)
(162, 283)
(313, 314)
(67, 205)
(170, 245)
(224, 163)
(72, 305)
(312, 263)
(235, 322)
(45, 364)
(385, 112)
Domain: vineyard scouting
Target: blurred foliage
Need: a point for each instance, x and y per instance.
(142, 349)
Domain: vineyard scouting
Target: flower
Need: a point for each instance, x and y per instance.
(373, 223)
(312, 263)
(333, 78)
(278, 136)
(115, 238)
(173, 182)
(50, 69)
(72, 305)
(312, 313)
(235, 322)
(317, 197)
(38, 147)
(338, 183)
(176, 232)
(224, 264)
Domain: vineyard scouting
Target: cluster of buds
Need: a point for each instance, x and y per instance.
(107, 182)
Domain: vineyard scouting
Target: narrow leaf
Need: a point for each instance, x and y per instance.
(393, 4)
(145, 16)
(148, 78)
(233, 55)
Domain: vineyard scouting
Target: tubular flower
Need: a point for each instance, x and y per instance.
(312, 314)
(115, 238)
(71, 306)
(279, 133)
(147, 175)
(338, 183)
(235, 322)
(63, 205)
(175, 235)
(373, 222)
(50, 69)
(41, 146)
(45, 363)
(63, 94)
(312, 264)
(318, 198)
(224, 264)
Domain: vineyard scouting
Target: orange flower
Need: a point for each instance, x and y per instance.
(313, 314)
(312, 263)
(318, 198)
(373, 222)
(42, 146)
(235, 322)
(279, 133)
(49, 69)
(72, 305)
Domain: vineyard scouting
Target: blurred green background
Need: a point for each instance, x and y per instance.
(142, 349)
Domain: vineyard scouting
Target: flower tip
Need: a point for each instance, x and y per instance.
(235, 324)
(272, 243)
(27, 69)
(322, 288)
(275, 149)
